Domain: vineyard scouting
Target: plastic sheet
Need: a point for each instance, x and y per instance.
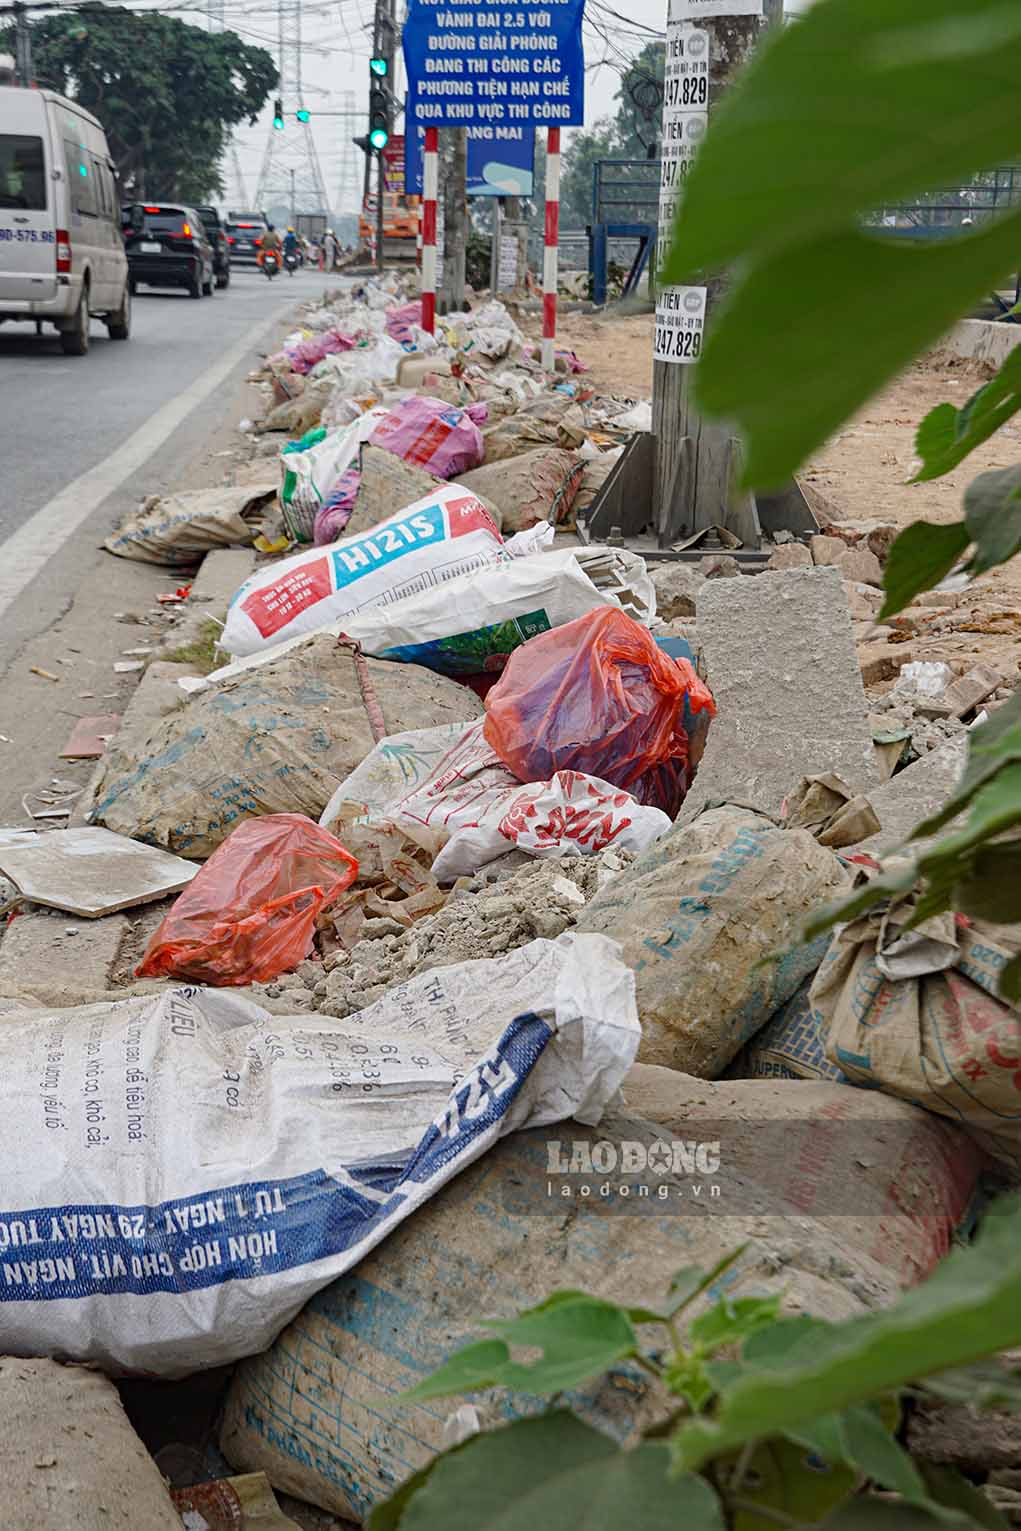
(249, 915)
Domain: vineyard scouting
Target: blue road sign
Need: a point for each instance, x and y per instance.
(470, 64)
(500, 161)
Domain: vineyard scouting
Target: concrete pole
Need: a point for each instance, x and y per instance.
(455, 223)
(695, 461)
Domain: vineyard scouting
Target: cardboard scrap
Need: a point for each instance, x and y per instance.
(91, 871)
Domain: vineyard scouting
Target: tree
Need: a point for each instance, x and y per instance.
(629, 135)
(166, 93)
(641, 102)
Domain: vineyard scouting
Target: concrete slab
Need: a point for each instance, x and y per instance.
(90, 736)
(91, 871)
(781, 662)
(913, 794)
(982, 339)
(42, 961)
(219, 576)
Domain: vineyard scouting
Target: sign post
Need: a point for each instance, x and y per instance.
(550, 254)
(499, 74)
(430, 177)
(707, 42)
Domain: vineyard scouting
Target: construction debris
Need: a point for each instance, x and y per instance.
(91, 872)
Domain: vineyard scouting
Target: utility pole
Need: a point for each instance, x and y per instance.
(293, 203)
(455, 221)
(22, 46)
(494, 249)
(696, 462)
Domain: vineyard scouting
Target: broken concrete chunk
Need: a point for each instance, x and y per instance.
(677, 586)
(963, 695)
(860, 564)
(914, 794)
(826, 550)
(782, 666)
(719, 566)
(791, 555)
(883, 661)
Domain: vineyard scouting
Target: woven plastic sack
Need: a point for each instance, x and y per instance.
(598, 696)
(249, 914)
(433, 435)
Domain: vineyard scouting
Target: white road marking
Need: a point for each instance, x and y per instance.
(27, 551)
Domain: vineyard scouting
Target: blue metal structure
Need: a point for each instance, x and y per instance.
(625, 205)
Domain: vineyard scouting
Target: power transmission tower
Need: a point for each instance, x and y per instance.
(348, 199)
(234, 181)
(293, 148)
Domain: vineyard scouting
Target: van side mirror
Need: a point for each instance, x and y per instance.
(137, 218)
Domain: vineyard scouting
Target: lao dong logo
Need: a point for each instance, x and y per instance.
(666, 1169)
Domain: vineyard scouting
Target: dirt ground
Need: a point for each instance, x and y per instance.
(863, 473)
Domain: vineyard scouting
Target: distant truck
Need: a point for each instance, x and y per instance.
(311, 226)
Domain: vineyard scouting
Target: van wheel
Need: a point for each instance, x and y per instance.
(118, 323)
(74, 341)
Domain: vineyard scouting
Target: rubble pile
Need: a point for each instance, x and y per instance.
(432, 825)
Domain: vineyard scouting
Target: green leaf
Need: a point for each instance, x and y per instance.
(992, 889)
(476, 1366)
(869, 1513)
(733, 1319)
(965, 1311)
(687, 1377)
(918, 559)
(947, 435)
(948, 1488)
(993, 745)
(555, 1472)
(860, 103)
(992, 513)
(870, 1447)
(386, 1516)
(580, 1337)
(986, 1385)
(766, 1346)
(691, 1280)
(1010, 980)
(894, 299)
(888, 885)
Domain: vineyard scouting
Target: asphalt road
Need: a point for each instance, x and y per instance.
(60, 416)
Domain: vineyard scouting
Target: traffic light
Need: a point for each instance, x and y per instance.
(379, 66)
(379, 118)
(278, 115)
(363, 143)
(303, 114)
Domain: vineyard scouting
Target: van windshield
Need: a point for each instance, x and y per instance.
(22, 172)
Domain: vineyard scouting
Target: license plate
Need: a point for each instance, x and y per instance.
(149, 248)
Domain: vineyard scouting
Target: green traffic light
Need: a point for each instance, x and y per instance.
(278, 115)
(303, 114)
(378, 138)
(380, 66)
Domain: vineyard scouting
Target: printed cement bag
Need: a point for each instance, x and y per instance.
(431, 542)
(319, 1412)
(312, 467)
(181, 528)
(69, 1457)
(181, 1173)
(790, 1046)
(433, 435)
(472, 797)
(695, 915)
(471, 625)
(934, 1037)
(277, 738)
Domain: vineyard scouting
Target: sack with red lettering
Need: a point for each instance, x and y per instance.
(433, 435)
(447, 533)
(485, 809)
(897, 1013)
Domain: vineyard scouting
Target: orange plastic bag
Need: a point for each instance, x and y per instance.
(598, 696)
(249, 914)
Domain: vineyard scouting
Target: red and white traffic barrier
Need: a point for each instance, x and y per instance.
(430, 187)
(549, 259)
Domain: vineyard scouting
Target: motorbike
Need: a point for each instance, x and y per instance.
(270, 264)
(291, 261)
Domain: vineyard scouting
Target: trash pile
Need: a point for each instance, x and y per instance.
(471, 836)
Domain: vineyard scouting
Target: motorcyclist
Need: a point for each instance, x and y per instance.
(270, 241)
(291, 246)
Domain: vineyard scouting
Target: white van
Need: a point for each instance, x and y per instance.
(61, 250)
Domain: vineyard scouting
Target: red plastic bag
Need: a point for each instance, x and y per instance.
(249, 914)
(598, 696)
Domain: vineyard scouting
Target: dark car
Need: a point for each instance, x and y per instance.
(244, 239)
(217, 232)
(167, 246)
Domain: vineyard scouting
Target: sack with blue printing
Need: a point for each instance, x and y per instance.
(447, 533)
(181, 1173)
